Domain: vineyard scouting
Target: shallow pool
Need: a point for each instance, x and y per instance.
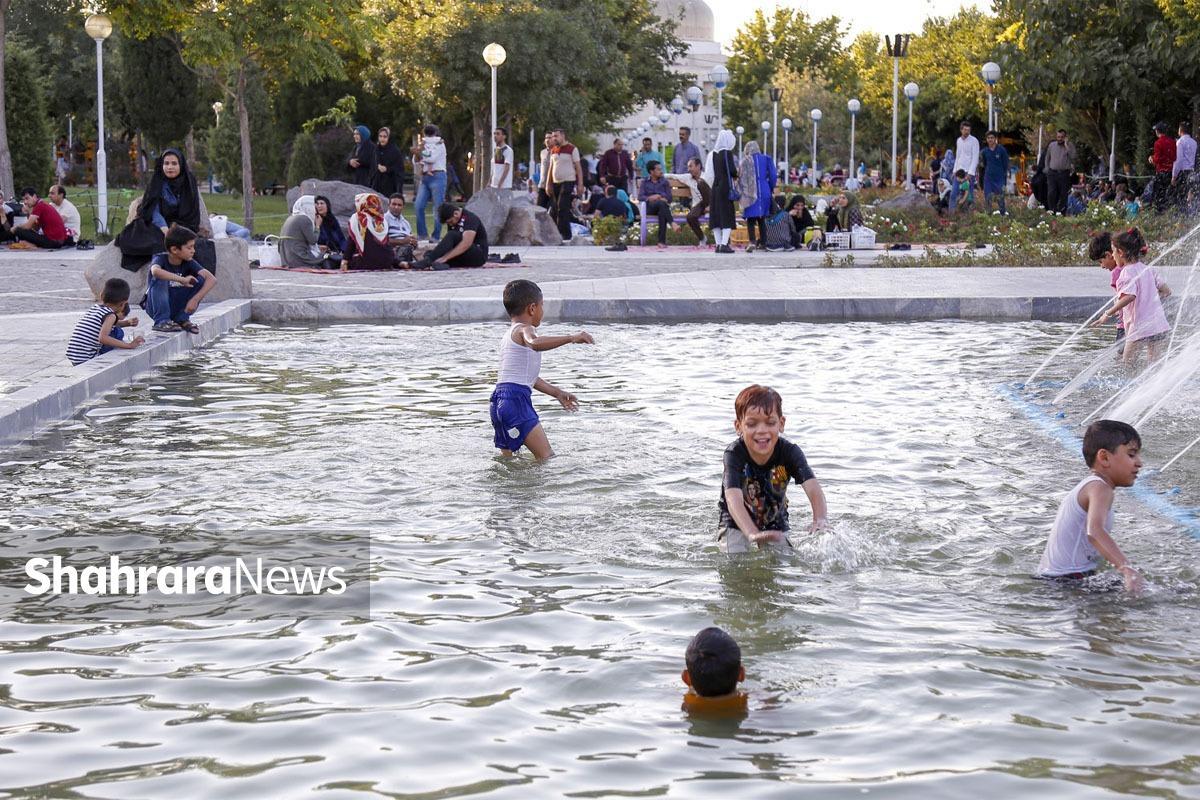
(528, 621)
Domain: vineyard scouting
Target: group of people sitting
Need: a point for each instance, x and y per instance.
(48, 224)
(313, 238)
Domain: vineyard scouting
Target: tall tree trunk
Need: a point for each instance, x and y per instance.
(244, 136)
(1141, 143)
(189, 145)
(6, 166)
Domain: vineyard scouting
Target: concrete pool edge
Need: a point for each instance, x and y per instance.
(403, 308)
(26, 411)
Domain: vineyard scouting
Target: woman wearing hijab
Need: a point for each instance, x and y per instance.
(329, 231)
(362, 159)
(720, 172)
(388, 178)
(172, 196)
(298, 238)
(758, 175)
(368, 235)
(849, 212)
(802, 221)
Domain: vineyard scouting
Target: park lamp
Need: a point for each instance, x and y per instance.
(776, 94)
(719, 76)
(677, 104)
(990, 73)
(663, 116)
(694, 95)
(98, 26)
(766, 126)
(217, 108)
(787, 123)
(740, 130)
(494, 55)
(853, 106)
(911, 90)
(815, 115)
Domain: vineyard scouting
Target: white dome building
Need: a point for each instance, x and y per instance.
(696, 27)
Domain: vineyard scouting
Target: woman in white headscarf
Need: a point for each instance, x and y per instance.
(298, 238)
(720, 172)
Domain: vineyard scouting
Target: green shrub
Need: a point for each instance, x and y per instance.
(305, 161)
(607, 230)
(29, 137)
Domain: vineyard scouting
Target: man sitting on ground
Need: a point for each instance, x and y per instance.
(464, 245)
(44, 227)
(67, 210)
(701, 195)
(399, 232)
(655, 192)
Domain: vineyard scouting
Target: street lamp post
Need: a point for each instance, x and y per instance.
(99, 27)
(897, 48)
(1112, 151)
(911, 90)
(766, 126)
(740, 131)
(991, 75)
(217, 108)
(663, 117)
(720, 79)
(815, 116)
(853, 106)
(776, 96)
(787, 162)
(494, 56)
(694, 95)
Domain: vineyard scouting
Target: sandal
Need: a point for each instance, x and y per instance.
(166, 327)
(188, 326)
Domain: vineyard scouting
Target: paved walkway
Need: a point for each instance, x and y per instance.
(42, 294)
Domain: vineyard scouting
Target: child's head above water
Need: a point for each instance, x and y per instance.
(519, 295)
(759, 420)
(1112, 450)
(714, 663)
(1128, 247)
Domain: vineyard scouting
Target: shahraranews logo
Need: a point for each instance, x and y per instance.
(48, 576)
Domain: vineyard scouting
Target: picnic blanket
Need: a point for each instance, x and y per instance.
(315, 271)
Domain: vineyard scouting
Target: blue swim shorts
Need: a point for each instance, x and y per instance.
(512, 413)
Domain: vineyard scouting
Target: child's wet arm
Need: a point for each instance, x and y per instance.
(1099, 502)
(735, 503)
(543, 343)
(816, 499)
(545, 387)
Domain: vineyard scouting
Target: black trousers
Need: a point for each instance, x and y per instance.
(36, 238)
(474, 256)
(662, 210)
(1057, 188)
(1162, 191)
(761, 224)
(560, 207)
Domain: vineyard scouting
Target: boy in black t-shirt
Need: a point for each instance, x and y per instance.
(758, 468)
(177, 283)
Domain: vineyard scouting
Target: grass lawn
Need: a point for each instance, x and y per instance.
(269, 210)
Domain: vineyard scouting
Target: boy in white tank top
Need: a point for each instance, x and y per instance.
(1082, 531)
(514, 419)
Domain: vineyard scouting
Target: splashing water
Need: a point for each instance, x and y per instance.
(840, 547)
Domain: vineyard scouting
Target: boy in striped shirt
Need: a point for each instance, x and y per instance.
(100, 329)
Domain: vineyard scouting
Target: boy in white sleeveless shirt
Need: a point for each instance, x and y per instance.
(1082, 530)
(513, 417)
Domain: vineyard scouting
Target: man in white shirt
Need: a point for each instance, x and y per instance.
(399, 232)
(966, 158)
(1185, 164)
(502, 165)
(66, 210)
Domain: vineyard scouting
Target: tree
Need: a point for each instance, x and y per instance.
(6, 165)
(31, 142)
(164, 117)
(228, 40)
(431, 53)
(763, 46)
(223, 151)
(305, 161)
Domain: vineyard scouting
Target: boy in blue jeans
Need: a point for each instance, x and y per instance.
(511, 406)
(177, 284)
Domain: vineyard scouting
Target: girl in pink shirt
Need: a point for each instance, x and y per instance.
(1140, 291)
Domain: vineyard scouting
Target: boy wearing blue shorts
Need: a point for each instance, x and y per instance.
(513, 417)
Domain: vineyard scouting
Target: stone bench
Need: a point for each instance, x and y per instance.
(233, 272)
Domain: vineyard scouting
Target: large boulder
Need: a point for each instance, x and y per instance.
(529, 224)
(233, 272)
(341, 195)
(910, 200)
(137, 202)
(492, 207)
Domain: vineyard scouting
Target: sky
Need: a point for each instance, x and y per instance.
(881, 16)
